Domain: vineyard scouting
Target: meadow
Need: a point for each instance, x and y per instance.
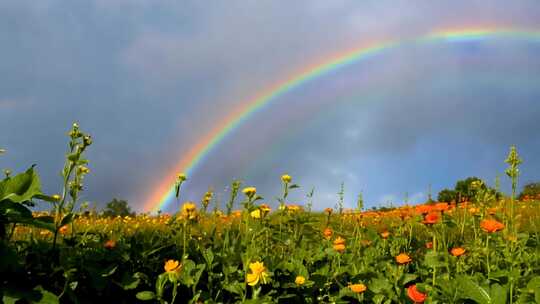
(484, 249)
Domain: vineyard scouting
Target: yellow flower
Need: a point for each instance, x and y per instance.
(249, 191)
(189, 210)
(258, 274)
(172, 266)
(286, 178)
(182, 177)
(300, 280)
(56, 197)
(256, 214)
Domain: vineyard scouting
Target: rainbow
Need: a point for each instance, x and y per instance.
(164, 192)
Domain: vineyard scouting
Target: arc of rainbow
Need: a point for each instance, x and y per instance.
(189, 161)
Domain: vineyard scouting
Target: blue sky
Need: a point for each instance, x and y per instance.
(148, 78)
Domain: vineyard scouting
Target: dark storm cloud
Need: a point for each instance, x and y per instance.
(149, 78)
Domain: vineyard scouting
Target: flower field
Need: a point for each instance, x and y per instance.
(481, 251)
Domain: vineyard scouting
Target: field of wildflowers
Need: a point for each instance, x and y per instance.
(485, 250)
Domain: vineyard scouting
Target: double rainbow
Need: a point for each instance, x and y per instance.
(187, 164)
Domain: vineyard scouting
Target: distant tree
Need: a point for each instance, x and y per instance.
(117, 207)
(531, 190)
(447, 195)
(464, 189)
(467, 190)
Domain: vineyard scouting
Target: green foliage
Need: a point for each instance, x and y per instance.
(469, 189)
(447, 195)
(251, 256)
(117, 207)
(531, 191)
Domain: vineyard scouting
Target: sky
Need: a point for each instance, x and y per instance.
(149, 79)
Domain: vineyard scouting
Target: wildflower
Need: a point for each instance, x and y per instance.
(258, 273)
(83, 170)
(491, 225)
(328, 211)
(429, 245)
(357, 288)
(403, 258)
(441, 207)
(293, 208)
(415, 295)
(423, 209)
(432, 218)
(182, 177)
(385, 234)
(56, 197)
(339, 244)
(172, 266)
(474, 210)
(286, 178)
(189, 210)
(249, 191)
(457, 251)
(327, 233)
(256, 214)
(300, 280)
(110, 244)
(63, 229)
(265, 209)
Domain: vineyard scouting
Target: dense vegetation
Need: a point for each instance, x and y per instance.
(481, 249)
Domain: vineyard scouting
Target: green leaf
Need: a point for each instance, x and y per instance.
(110, 271)
(236, 288)
(146, 295)
(21, 188)
(471, 290)
(46, 198)
(534, 286)
(47, 297)
(68, 218)
(498, 294)
(378, 299)
(9, 300)
(378, 285)
(407, 278)
(130, 281)
(435, 259)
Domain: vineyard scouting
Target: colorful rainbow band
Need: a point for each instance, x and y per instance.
(164, 192)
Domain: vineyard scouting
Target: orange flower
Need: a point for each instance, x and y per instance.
(172, 266)
(327, 233)
(416, 295)
(357, 288)
(491, 226)
(441, 206)
(328, 211)
(432, 218)
(457, 251)
(110, 244)
(385, 234)
(429, 245)
(339, 244)
(403, 258)
(63, 229)
(423, 209)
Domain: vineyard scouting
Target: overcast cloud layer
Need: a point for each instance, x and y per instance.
(148, 78)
